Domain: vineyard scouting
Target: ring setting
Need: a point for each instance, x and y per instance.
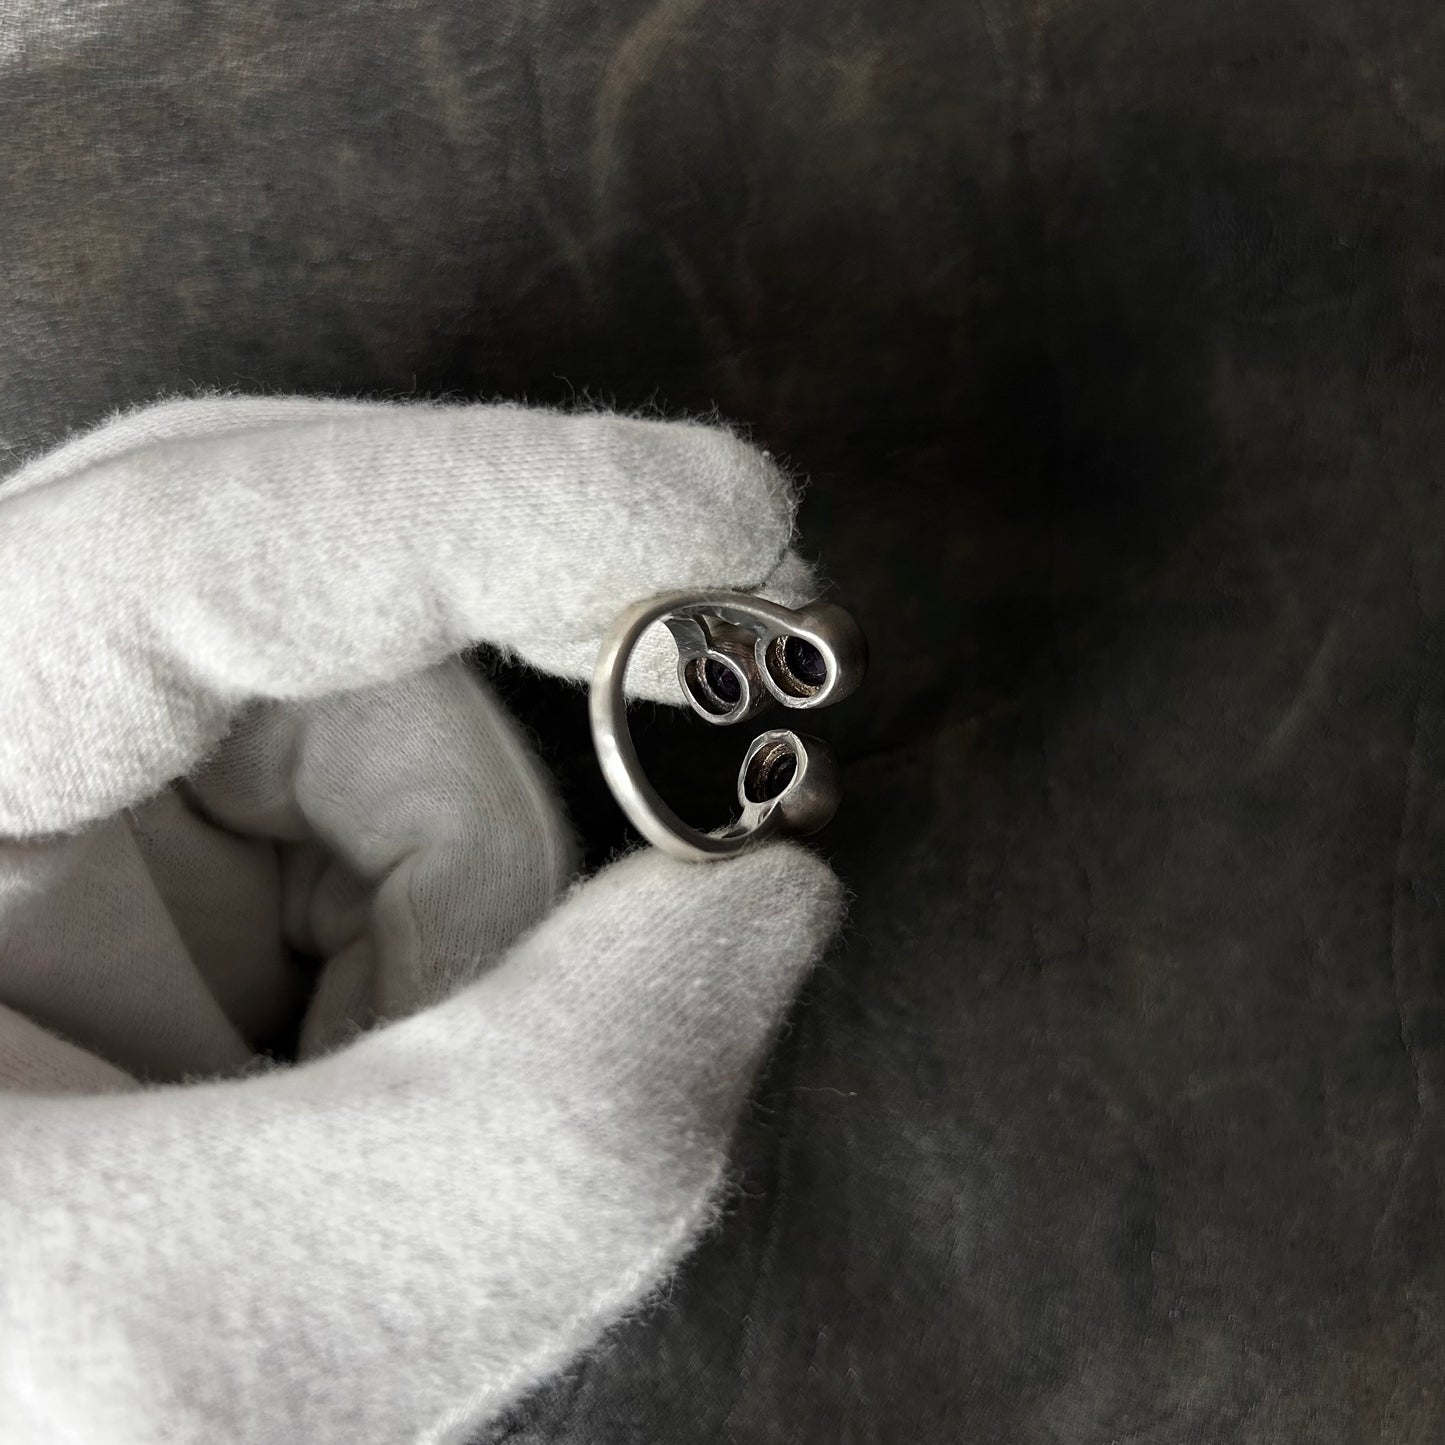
(736, 655)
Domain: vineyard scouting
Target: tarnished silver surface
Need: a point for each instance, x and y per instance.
(736, 654)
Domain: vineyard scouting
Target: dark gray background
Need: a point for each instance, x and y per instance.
(1109, 336)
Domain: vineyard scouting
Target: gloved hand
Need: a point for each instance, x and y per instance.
(393, 1238)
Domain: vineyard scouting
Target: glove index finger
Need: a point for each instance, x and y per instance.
(153, 589)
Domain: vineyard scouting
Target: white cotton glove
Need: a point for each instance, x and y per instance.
(392, 1239)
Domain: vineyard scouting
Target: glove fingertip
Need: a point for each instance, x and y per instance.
(759, 921)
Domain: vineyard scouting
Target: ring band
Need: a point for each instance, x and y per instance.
(736, 654)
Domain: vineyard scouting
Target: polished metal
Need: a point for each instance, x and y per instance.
(735, 654)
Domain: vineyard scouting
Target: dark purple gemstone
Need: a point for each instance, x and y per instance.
(805, 662)
(778, 774)
(722, 682)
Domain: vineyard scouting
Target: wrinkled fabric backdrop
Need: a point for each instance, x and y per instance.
(1109, 336)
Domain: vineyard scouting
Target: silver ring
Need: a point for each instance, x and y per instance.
(735, 655)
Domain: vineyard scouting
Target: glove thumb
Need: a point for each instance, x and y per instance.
(414, 1230)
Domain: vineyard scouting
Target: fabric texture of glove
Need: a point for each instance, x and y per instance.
(392, 1238)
